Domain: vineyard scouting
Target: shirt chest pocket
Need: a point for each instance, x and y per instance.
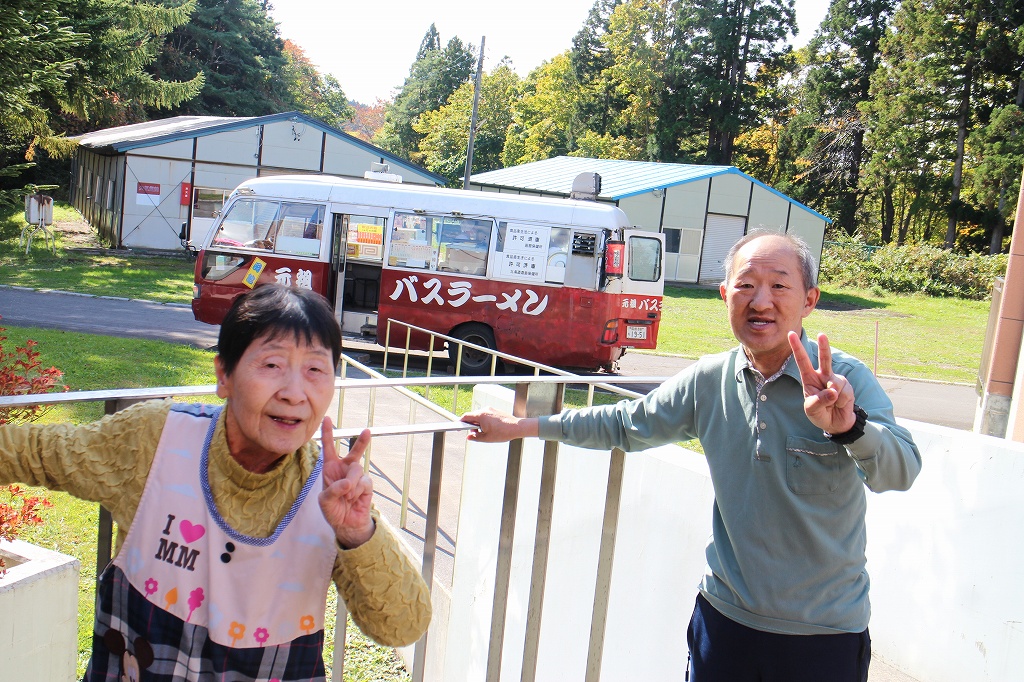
(812, 467)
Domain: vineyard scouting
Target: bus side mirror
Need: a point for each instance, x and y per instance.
(181, 233)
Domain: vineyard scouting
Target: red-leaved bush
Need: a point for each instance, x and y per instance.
(21, 373)
(18, 510)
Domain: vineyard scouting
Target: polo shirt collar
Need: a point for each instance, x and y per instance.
(788, 368)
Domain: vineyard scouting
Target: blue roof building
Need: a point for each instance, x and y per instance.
(137, 184)
(702, 210)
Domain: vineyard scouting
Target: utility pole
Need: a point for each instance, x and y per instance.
(472, 120)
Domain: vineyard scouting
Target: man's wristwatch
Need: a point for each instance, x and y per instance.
(855, 432)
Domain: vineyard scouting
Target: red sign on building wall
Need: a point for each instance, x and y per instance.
(186, 193)
(147, 193)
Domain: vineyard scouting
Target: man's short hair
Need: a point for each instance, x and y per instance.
(808, 263)
(274, 310)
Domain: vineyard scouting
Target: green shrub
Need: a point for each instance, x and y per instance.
(915, 268)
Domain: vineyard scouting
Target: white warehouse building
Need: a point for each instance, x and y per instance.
(702, 210)
(137, 184)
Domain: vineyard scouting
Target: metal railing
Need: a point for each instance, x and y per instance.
(534, 396)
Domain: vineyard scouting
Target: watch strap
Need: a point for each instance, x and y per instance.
(855, 432)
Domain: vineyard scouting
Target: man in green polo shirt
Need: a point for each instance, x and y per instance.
(793, 431)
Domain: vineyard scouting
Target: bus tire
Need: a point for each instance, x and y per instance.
(473, 361)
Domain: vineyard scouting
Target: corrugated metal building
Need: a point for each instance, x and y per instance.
(137, 184)
(703, 210)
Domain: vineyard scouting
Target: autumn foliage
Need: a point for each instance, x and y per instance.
(21, 373)
(18, 510)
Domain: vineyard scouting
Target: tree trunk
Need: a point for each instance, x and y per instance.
(888, 213)
(961, 132)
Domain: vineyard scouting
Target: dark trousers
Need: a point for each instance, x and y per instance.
(722, 650)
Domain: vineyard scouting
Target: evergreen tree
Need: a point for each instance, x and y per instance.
(431, 42)
(114, 80)
(710, 97)
(590, 58)
(843, 55)
(432, 79)
(236, 44)
(37, 43)
(941, 65)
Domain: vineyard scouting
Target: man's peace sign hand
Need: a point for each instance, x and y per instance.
(828, 397)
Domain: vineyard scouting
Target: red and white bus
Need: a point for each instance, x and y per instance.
(558, 281)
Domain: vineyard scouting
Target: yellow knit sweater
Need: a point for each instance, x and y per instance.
(108, 461)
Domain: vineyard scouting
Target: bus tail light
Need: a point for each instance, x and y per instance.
(614, 255)
(611, 332)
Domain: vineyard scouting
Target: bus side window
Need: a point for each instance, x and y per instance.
(299, 229)
(558, 255)
(410, 242)
(462, 246)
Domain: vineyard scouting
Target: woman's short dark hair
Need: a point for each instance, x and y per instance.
(271, 311)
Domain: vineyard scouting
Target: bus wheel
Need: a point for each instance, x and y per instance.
(473, 361)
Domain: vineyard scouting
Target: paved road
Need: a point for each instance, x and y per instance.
(950, 405)
(104, 315)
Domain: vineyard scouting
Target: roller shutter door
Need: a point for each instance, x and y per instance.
(721, 232)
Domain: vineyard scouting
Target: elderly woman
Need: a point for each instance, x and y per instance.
(231, 522)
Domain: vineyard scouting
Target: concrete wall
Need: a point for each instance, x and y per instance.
(38, 614)
(945, 560)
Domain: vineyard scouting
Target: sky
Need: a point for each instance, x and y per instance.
(370, 52)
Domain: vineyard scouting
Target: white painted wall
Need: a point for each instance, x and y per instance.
(292, 144)
(239, 146)
(38, 615)
(644, 211)
(730, 194)
(148, 226)
(946, 561)
(808, 227)
(768, 210)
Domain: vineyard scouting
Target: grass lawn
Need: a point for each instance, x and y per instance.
(920, 337)
(98, 362)
(167, 280)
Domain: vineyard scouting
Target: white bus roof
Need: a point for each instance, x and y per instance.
(327, 188)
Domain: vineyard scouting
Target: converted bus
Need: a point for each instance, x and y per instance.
(558, 281)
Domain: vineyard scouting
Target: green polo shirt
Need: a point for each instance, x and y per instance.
(787, 551)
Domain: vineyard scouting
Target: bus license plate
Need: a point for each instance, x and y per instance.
(636, 332)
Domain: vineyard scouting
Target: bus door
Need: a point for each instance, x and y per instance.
(357, 255)
(642, 287)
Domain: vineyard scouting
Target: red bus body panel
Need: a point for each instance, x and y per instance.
(559, 325)
(217, 295)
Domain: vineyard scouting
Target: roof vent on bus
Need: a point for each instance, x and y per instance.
(586, 187)
(381, 171)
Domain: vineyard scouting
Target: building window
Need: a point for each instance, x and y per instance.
(207, 202)
(682, 240)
